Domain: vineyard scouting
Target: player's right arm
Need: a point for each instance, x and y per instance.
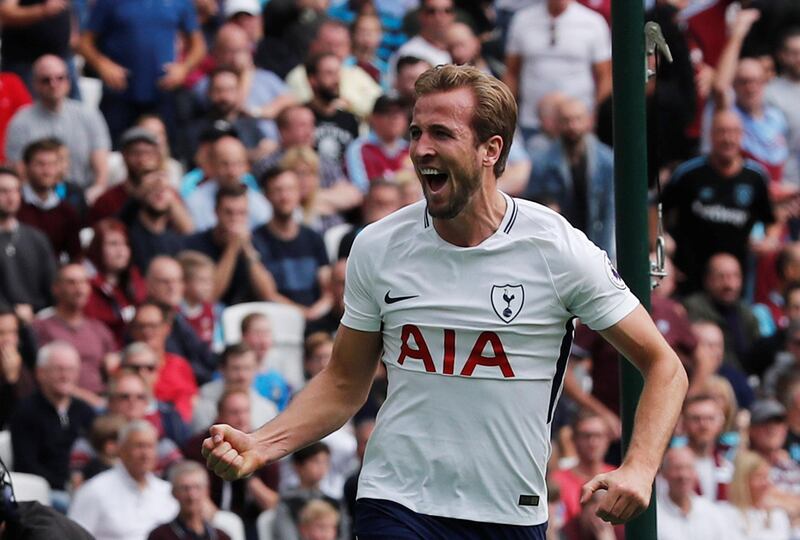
(323, 406)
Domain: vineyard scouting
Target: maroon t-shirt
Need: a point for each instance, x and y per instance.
(60, 224)
(108, 204)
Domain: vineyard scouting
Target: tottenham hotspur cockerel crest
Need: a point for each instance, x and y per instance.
(507, 301)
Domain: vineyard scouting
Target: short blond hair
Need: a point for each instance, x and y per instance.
(300, 155)
(495, 111)
(316, 510)
(191, 261)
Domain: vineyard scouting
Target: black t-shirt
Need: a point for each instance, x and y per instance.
(240, 288)
(145, 245)
(24, 44)
(333, 133)
(293, 263)
(713, 214)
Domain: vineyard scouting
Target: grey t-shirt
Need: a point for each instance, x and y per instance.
(27, 267)
(783, 94)
(81, 128)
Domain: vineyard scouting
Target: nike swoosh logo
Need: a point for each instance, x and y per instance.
(391, 300)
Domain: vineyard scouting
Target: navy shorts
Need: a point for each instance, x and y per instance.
(377, 519)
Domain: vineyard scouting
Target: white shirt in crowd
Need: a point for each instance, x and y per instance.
(112, 506)
(475, 342)
(557, 54)
(704, 521)
(756, 524)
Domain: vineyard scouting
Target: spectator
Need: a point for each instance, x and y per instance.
(78, 125)
(245, 14)
(589, 526)
(135, 53)
(45, 425)
(269, 382)
(156, 219)
(139, 359)
(238, 275)
(683, 515)
(708, 361)
(140, 500)
(430, 44)
(226, 110)
(318, 520)
(774, 275)
(785, 361)
(318, 349)
(408, 69)
(739, 85)
(781, 92)
(139, 148)
(103, 443)
(465, 47)
(32, 29)
(334, 128)
(199, 305)
(576, 173)
(246, 497)
(117, 285)
(311, 464)
(720, 302)
(118, 172)
(768, 432)
(294, 254)
(190, 488)
(175, 382)
(363, 431)
(712, 202)
(16, 97)
(557, 45)
(90, 337)
(239, 366)
(16, 381)
(318, 214)
(329, 323)
(266, 95)
(165, 288)
(382, 152)
(382, 199)
(367, 34)
(229, 166)
(549, 126)
(790, 398)
(591, 437)
(751, 513)
(356, 87)
(42, 207)
(296, 127)
(703, 422)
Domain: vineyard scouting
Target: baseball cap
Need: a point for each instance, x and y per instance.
(233, 7)
(387, 103)
(765, 410)
(137, 134)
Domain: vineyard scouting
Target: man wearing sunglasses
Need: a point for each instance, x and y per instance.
(435, 18)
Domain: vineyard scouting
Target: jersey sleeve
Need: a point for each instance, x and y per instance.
(588, 284)
(361, 308)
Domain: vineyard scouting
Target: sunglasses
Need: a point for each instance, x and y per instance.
(51, 79)
(140, 367)
(434, 11)
(130, 397)
(553, 36)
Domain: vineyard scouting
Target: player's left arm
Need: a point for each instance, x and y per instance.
(665, 383)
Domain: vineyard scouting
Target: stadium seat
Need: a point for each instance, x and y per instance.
(229, 523)
(31, 487)
(264, 524)
(288, 325)
(333, 237)
(6, 453)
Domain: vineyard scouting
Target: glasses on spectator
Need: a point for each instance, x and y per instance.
(434, 11)
(124, 396)
(553, 39)
(52, 78)
(140, 367)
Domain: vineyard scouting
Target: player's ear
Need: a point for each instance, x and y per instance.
(492, 148)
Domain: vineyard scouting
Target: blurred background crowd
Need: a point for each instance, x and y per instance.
(182, 181)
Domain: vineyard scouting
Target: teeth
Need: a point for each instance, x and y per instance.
(429, 170)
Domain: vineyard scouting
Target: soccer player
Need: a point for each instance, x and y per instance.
(469, 298)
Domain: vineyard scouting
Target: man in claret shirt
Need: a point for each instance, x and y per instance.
(469, 299)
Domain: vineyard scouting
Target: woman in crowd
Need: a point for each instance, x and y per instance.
(117, 286)
(304, 162)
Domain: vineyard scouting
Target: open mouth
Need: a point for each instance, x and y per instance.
(435, 178)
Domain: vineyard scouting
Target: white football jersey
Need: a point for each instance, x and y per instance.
(475, 342)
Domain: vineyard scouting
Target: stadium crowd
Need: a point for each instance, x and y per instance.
(182, 181)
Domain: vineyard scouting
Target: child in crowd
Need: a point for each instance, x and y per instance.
(199, 305)
(318, 521)
(270, 383)
(89, 462)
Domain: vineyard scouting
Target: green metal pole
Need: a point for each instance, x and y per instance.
(630, 183)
